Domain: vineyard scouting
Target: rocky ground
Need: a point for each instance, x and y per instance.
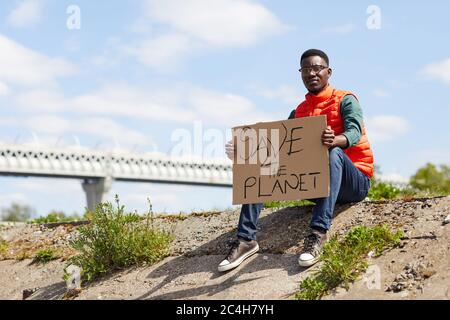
(418, 269)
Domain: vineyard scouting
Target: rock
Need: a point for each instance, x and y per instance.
(404, 294)
(28, 292)
(428, 273)
(397, 287)
(447, 219)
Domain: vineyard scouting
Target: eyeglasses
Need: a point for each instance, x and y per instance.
(316, 68)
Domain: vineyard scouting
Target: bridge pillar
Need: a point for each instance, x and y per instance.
(95, 190)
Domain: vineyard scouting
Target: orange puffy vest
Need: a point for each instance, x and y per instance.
(328, 102)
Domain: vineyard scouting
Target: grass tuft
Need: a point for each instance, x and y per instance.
(116, 240)
(344, 260)
(3, 246)
(284, 204)
(45, 256)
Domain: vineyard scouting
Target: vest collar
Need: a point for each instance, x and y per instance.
(321, 96)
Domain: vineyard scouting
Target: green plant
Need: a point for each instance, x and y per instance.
(382, 190)
(45, 255)
(431, 179)
(3, 246)
(284, 204)
(23, 255)
(17, 213)
(428, 181)
(116, 240)
(344, 260)
(55, 216)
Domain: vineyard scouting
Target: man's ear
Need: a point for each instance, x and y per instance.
(330, 72)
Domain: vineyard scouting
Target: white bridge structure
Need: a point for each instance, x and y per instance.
(98, 169)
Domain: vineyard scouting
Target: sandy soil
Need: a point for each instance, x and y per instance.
(418, 269)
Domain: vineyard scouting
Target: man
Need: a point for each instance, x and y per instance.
(351, 161)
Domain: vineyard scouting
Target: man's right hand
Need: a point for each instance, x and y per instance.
(229, 150)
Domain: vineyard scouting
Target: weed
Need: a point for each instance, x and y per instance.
(284, 204)
(344, 260)
(55, 216)
(116, 240)
(45, 255)
(3, 246)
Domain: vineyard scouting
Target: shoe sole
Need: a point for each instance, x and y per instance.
(307, 263)
(238, 261)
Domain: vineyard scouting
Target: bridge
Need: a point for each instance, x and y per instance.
(98, 169)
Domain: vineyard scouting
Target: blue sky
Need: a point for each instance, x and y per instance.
(135, 72)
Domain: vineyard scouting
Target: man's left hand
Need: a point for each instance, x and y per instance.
(328, 137)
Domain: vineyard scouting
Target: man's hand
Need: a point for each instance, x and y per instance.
(229, 150)
(330, 140)
(328, 137)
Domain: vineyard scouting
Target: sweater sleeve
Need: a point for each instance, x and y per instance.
(292, 115)
(352, 117)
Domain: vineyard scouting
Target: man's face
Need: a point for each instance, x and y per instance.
(315, 73)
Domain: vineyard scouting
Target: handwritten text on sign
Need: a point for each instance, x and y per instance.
(282, 160)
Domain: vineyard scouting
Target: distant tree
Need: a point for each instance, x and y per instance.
(433, 179)
(17, 213)
(56, 216)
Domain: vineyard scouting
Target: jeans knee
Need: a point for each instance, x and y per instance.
(336, 155)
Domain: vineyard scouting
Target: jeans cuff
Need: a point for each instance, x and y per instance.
(246, 236)
(319, 225)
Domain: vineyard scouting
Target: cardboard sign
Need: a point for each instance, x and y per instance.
(282, 160)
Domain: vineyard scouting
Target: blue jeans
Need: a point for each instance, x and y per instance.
(347, 184)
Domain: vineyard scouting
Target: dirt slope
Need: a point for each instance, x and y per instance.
(419, 269)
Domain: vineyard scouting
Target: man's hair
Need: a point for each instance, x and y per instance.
(315, 52)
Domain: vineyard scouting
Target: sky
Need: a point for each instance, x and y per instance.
(138, 75)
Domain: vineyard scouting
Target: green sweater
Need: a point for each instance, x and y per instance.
(351, 114)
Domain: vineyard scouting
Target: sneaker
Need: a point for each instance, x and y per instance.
(312, 248)
(240, 250)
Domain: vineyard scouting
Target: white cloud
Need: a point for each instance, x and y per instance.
(220, 23)
(224, 108)
(48, 124)
(48, 129)
(393, 177)
(112, 54)
(8, 198)
(22, 66)
(436, 156)
(385, 127)
(26, 14)
(133, 102)
(439, 71)
(176, 104)
(191, 27)
(165, 52)
(41, 101)
(141, 25)
(381, 93)
(108, 129)
(288, 94)
(341, 30)
(4, 89)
